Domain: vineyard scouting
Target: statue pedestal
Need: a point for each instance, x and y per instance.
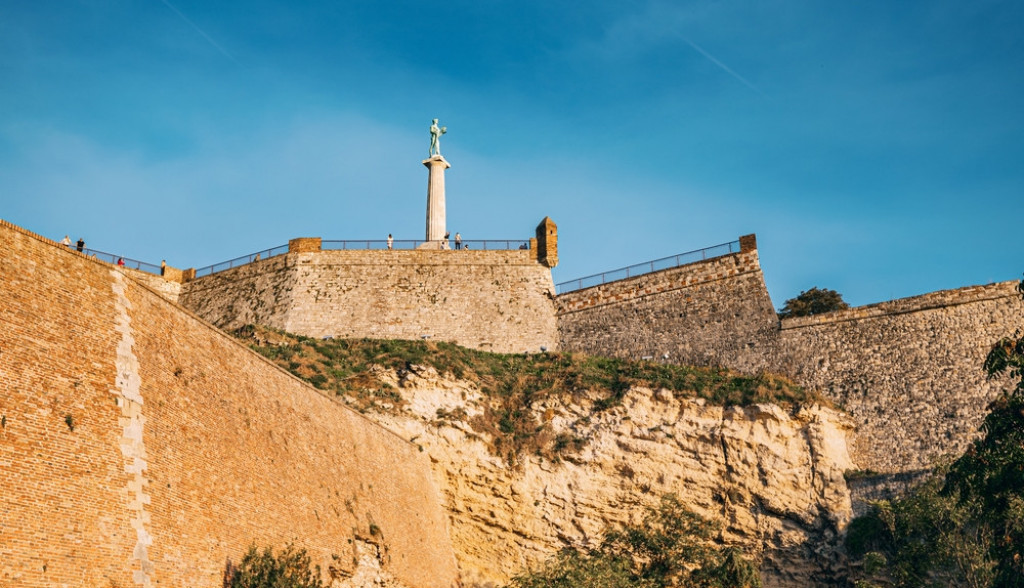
(435, 197)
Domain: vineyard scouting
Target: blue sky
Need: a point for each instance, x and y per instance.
(875, 148)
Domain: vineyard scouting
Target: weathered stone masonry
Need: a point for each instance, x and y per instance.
(907, 371)
(493, 300)
(141, 447)
(712, 312)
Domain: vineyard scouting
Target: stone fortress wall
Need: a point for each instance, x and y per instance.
(491, 300)
(705, 313)
(908, 372)
(140, 446)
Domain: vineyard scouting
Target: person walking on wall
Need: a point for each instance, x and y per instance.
(120, 262)
(458, 241)
(66, 241)
(80, 245)
(391, 241)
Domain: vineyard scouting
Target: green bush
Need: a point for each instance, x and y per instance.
(929, 538)
(288, 569)
(671, 547)
(813, 301)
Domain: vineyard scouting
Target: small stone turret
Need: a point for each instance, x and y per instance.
(547, 242)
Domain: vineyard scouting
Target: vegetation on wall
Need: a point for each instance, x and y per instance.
(514, 385)
(262, 569)
(813, 301)
(965, 527)
(672, 546)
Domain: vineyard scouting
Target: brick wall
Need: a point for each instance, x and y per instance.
(183, 446)
(63, 519)
(492, 300)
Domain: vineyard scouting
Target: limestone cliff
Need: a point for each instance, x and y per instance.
(773, 476)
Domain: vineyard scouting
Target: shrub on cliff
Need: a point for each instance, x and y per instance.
(672, 546)
(288, 569)
(813, 301)
(964, 528)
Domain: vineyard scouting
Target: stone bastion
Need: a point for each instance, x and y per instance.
(495, 300)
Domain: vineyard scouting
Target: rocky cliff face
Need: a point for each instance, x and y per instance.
(772, 476)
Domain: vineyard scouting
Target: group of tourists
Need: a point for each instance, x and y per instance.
(80, 247)
(458, 241)
(444, 242)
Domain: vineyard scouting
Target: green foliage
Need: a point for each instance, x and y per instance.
(671, 547)
(574, 569)
(965, 527)
(813, 301)
(514, 384)
(288, 569)
(930, 538)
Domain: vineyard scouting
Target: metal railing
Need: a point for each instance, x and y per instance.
(126, 261)
(649, 267)
(362, 244)
(477, 244)
(226, 265)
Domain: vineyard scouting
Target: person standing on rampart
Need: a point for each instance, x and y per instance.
(80, 245)
(66, 241)
(391, 241)
(458, 241)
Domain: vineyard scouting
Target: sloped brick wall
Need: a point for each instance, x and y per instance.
(140, 446)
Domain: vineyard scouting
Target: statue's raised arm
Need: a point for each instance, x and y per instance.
(435, 138)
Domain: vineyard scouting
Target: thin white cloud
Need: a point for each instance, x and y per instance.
(653, 25)
(721, 65)
(200, 31)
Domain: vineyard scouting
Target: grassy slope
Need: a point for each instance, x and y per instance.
(512, 383)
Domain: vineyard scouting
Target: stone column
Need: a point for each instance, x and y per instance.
(435, 197)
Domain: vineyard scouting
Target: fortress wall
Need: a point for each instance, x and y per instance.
(254, 293)
(908, 371)
(492, 300)
(714, 312)
(186, 446)
(168, 288)
(62, 518)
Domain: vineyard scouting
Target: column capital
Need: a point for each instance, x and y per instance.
(436, 160)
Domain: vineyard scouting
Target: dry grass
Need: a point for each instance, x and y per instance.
(514, 385)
